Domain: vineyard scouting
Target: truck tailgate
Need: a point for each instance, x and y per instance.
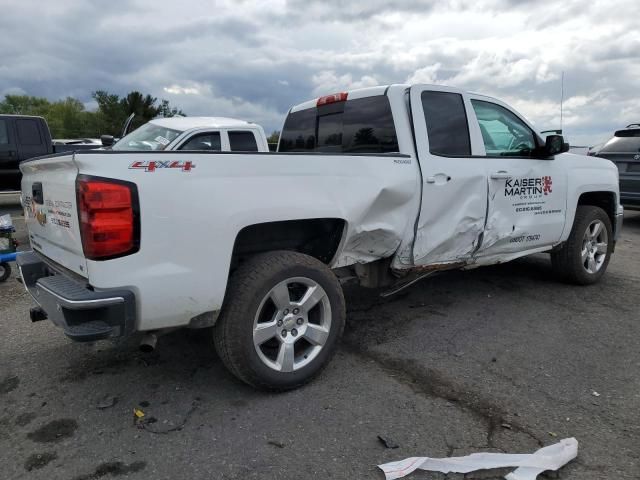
(51, 213)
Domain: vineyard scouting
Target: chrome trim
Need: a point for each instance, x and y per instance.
(619, 222)
(78, 304)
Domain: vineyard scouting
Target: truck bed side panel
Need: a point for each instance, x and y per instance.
(190, 217)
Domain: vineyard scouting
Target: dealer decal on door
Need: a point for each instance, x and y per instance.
(528, 187)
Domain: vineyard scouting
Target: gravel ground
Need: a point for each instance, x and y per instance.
(496, 359)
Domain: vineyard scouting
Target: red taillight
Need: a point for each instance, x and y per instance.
(108, 218)
(336, 97)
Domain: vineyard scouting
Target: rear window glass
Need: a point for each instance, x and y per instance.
(364, 125)
(623, 144)
(447, 126)
(242, 142)
(28, 132)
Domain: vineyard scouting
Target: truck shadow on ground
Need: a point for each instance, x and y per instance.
(184, 354)
(631, 221)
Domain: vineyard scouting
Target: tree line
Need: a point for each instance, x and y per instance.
(68, 118)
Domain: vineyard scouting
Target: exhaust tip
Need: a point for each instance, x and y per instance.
(37, 314)
(148, 343)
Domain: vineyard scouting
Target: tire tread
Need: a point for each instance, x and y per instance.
(240, 290)
(564, 260)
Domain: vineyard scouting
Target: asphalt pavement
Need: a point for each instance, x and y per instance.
(498, 359)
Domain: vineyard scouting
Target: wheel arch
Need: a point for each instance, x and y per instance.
(605, 199)
(317, 237)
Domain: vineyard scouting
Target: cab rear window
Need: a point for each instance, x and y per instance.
(364, 125)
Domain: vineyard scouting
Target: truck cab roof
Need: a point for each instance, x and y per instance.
(379, 90)
(187, 123)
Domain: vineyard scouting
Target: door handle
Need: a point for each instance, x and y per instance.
(439, 178)
(500, 175)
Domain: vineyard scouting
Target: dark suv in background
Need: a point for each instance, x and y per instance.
(23, 137)
(624, 150)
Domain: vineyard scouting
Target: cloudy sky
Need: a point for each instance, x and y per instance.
(254, 59)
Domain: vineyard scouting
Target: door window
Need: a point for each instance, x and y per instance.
(28, 132)
(205, 141)
(503, 133)
(4, 133)
(447, 126)
(242, 142)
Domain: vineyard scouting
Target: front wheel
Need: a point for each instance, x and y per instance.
(283, 315)
(584, 257)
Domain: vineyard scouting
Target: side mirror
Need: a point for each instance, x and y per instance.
(107, 140)
(554, 145)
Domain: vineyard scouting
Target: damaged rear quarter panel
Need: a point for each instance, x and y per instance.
(190, 220)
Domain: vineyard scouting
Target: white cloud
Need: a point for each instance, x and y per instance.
(329, 82)
(12, 91)
(428, 74)
(185, 90)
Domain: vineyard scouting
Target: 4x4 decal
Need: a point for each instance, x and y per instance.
(153, 165)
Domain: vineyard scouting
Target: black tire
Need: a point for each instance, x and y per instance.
(567, 262)
(5, 271)
(248, 286)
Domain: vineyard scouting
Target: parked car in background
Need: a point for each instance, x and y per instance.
(213, 134)
(23, 137)
(623, 149)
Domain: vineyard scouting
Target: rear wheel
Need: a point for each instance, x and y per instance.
(584, 257)
(283, 315)
(5, 271)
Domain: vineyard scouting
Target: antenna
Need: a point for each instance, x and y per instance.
(561, 98)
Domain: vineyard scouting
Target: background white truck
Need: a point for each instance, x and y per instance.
(213, 134)
(387, 184)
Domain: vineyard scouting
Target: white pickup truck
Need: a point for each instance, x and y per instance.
(217, 134)
(386, 184)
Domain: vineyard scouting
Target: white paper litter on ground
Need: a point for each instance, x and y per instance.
(530, 465)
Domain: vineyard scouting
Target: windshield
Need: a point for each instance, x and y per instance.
(148, 137)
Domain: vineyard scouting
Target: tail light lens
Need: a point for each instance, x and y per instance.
(109, 220)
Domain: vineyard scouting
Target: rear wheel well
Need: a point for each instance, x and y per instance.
(317, 237)
(604, 200)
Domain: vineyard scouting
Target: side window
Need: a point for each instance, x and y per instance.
(4, 133)
(447, 126)
(503, 133)
(242, 142)
(204, 141)
(28, 132)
